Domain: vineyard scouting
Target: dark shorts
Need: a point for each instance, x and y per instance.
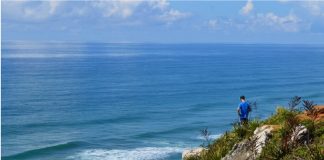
(243, 119)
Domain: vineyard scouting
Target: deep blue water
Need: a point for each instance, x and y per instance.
(94, 101)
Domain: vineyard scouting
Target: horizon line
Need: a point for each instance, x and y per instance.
(102, 42)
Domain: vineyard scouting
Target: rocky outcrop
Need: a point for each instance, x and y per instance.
(240, 151)
(192, 152)
(246, 150)
(251, 148)
(300, 135)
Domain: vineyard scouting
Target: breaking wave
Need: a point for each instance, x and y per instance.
(144, 153)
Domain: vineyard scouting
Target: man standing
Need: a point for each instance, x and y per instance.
(243, 110)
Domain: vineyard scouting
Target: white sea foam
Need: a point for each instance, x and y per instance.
(213, 136)
(145, 153)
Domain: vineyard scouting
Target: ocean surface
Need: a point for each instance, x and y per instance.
(102, 101)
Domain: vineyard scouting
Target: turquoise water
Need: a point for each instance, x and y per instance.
(93, 101)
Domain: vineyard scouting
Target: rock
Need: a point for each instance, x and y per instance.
(192, 152)
(239, 151)
(299, 135)
(251, 148)
(262, 135)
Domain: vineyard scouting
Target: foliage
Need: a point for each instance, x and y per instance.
(280, 116)
(245, 130)
(206, 135)
(294, 102)
(307, 152)
(309, 107)
(279, 146)
(221, 146)
(273, 150)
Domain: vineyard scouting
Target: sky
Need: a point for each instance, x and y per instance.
(162, 21)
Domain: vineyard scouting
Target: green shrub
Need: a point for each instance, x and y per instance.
(307, 152)
(220, 147)
(280, 116)
(278, 146)
(273, 150)
(319, 130)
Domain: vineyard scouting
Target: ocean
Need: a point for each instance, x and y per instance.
(106, 101)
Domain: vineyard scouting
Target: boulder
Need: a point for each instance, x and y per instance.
(262, 135)
(251, 148)
(240, 151)
(192, 152)
(299, 135)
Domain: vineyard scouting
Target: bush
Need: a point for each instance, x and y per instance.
(273, 150)
(281, 115)
(294, 102)
(278, 146)
(220, 146)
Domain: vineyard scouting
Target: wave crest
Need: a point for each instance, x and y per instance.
(213, 136)
(145, 153)
(46, 150)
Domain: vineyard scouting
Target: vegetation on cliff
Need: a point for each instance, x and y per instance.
(283, 143)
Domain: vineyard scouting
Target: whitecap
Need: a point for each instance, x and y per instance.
(213, 136)
(145, 153)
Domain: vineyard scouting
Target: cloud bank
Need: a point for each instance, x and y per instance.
(122, 10)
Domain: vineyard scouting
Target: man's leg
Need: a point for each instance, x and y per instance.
(244, 121)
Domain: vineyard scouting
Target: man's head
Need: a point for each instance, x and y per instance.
(242, 98)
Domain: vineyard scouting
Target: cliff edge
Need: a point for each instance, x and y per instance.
(288, 134)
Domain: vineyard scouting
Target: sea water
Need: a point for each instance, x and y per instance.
(97, 101)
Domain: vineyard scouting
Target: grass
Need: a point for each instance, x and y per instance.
(221, 146)
(278, 146)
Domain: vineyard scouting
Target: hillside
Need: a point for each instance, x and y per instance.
(295, 132)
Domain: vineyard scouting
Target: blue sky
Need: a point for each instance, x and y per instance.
(164, 21)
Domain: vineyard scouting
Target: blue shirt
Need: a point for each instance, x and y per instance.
(244, 109)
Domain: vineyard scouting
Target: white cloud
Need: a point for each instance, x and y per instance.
(224, 24)
(289, 23)
(213, 23)
(259, 22)
(172, 16)
(121, 11)
(53, 5)
(121, 8)
(30, 11)
(247, 8)
(316, 8)
(159, 4)
(158, 9)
